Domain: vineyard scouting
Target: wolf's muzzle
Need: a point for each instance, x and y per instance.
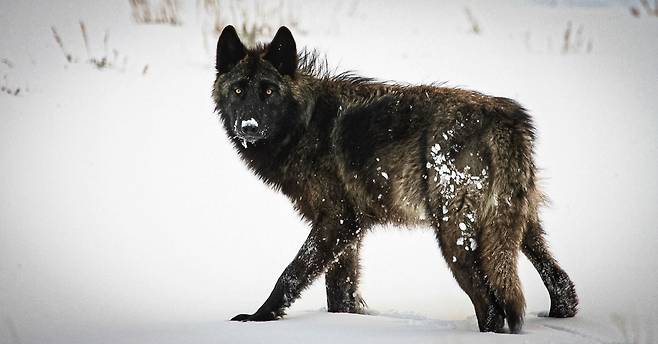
(249, 130)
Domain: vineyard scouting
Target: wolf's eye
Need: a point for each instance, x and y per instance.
(238, 91)
(268, 92)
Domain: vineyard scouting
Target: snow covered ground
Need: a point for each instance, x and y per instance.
(125, 216)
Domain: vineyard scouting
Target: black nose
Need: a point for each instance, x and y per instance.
(250, 130)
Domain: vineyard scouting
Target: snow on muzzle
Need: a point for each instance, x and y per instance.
(249, 130)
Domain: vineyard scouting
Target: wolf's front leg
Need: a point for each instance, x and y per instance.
(323, 247)
(342, 283)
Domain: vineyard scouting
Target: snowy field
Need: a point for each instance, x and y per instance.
(126, 217)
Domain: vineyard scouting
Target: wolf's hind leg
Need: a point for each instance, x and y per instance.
(459, 248)
(500, 244)
(564, 301)
(342, 283)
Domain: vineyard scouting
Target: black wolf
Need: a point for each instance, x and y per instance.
(351, 152)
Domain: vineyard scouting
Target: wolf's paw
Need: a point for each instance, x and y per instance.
(564, 302)
(356, 305)
(563, 309)
(493, 322)
(258, 316)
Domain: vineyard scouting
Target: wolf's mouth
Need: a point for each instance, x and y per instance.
(248, 138)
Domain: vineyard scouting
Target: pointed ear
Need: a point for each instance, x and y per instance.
(229, 50)
(282, 52)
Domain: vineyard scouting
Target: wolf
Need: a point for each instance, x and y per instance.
(351, 152)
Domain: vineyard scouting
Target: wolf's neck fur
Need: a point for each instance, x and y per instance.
(277, 160)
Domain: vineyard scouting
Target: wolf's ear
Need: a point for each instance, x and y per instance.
(229, 50)
(282, 52)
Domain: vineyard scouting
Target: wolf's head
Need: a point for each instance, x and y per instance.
(253, 91)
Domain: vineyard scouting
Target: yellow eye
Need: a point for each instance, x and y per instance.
(238, 90)
(268, 91)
